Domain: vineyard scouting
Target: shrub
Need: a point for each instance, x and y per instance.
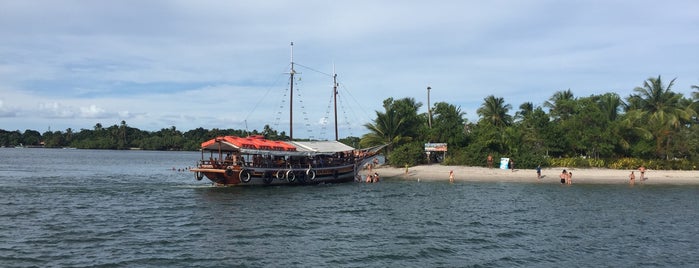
(411, 154)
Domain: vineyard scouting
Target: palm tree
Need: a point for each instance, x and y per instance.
(385, 129)
(561, 104)
(494, 110)
(525, 109)
(610, 104)
(660, 110)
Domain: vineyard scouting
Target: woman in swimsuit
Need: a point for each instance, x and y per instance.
(642, 169)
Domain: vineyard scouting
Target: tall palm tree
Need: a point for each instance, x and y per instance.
(385, 129)
(494, 110)
(660, 110)
(525, 109)
(610, 104)
(561, 104)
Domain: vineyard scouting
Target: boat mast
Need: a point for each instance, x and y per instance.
(291, 95)
(335, 99)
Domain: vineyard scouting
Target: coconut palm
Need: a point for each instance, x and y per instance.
(494, 110)
(385, 129)
(525, 109)
(561, 104)
(659, 109)
(610, 104)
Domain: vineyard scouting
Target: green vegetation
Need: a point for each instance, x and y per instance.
(119, 137)
(655, 127)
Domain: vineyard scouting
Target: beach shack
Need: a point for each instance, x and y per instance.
(435, 152)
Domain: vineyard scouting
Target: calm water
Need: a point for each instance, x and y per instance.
(77, 208)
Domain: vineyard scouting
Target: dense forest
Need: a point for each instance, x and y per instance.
(654, 126)
(124, 137)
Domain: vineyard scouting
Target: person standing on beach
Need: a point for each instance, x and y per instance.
(570, 178)
(632, 178)
(511, 165)
(538, 172)
(490, 161)
(451, 176)
(642, 169)
(564, 176)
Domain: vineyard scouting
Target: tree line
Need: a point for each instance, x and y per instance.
(653, 126)
(122, 136)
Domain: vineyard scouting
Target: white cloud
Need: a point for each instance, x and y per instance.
(56, 110)
(221, 63)
(93, 111)
(6, 111)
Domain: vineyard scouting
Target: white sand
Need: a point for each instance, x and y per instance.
(549, 175)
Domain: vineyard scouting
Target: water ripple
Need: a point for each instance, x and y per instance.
(134, 211)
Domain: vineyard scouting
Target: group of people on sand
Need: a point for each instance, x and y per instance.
(632, 176)
(567, 177)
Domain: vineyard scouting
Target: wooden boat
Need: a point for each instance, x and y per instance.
(254, 160)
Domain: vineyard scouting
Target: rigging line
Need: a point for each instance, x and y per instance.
(361, 108)
(326, 118)
(345, 118)
(311, 69)
(269, 89)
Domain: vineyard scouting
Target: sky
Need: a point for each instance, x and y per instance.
(224, 64)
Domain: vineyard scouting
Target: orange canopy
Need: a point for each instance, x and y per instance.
(252, 142)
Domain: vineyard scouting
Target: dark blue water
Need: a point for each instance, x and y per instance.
(79, 208)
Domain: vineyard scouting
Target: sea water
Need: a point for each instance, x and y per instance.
(80, 208)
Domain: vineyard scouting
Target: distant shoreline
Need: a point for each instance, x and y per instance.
(549, 175)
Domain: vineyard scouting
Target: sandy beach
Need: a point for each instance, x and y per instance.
(549, 175)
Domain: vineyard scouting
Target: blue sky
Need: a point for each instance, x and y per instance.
(221, 64)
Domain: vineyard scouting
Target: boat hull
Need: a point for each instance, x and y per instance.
(273, 176)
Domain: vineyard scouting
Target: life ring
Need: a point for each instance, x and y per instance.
(198, 175)
(245, 176)
(311, 174)
(267, 178)
(279, 175)
(229, 171)
(290, 176)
